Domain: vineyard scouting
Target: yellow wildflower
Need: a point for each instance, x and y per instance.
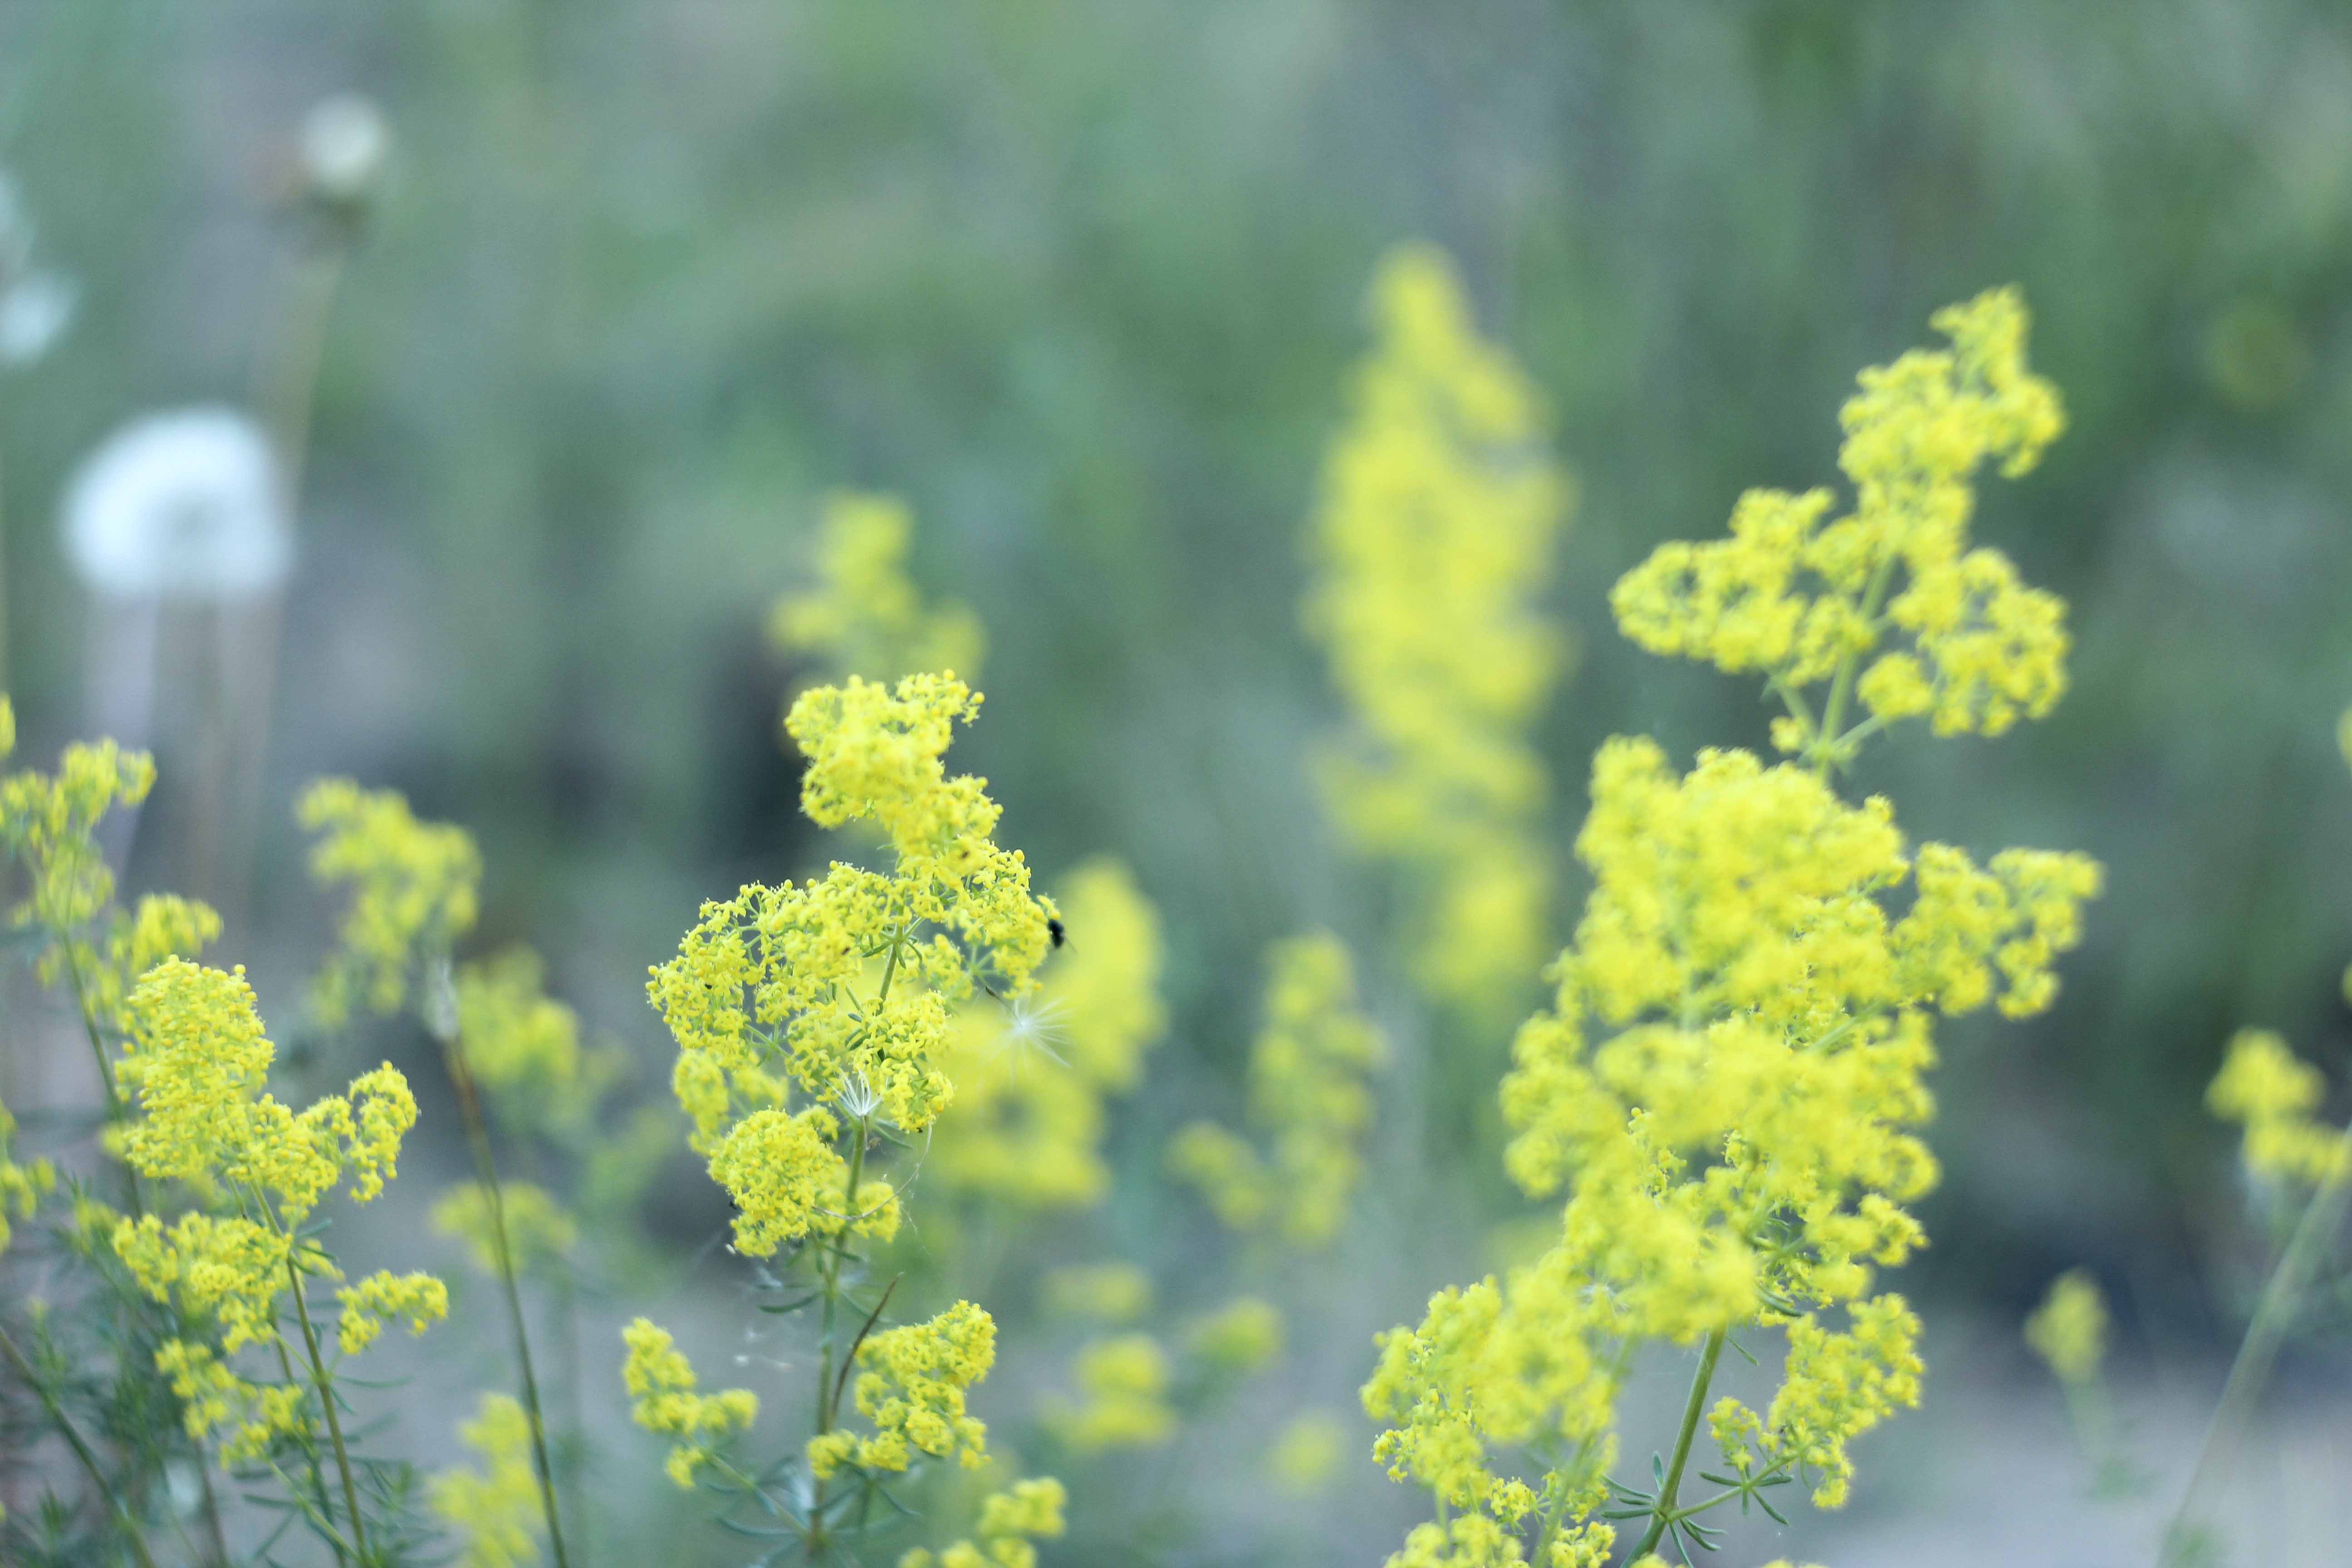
(523, 1046)
(1309, 1453)
(833, 984)
(1029, 1114)
(493, 1512)
(911, 1387)
(413, 893)
(418, 1300)
(49, 824)
(1308, 1068)
(1239, 1337)
(1805, 602)
(212, 1396)
(865, 616)
(204, 1060)
(22, 1187)
(1728, 1086)
(2069, 1329)
(2262, 1087)
(1106, 1292)
(1010, 1521)
(1123, 1388)
(664, 1400)
(1432, 540)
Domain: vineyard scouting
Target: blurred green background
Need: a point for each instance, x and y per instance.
(1083, 282)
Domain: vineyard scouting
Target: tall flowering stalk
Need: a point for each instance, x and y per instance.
(1727, 1090)
(814, 1022)
(415, 891)
(241, 1262)
(1431, 546)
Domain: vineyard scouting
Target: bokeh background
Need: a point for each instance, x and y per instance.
(1082, 283)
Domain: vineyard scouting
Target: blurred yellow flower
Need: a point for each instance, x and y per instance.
(1430, 546)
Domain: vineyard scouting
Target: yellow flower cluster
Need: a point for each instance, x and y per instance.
(664, 1400)
(198, 1058)
(1804, 603)
(201, 1059)
(494, 1512)
(22, 1187)
(1105, 1293)
(2069, 1329)
(1434, 530)
(1010, 1522)
(1028, 1126)
(413, 893)
(787, 1182)
(418, 1300)
(212, 1396)
(1309, 1092)
(1123, 1397)
(912, 1389)
(2264, 1088)
(1309, 1453)
(844, 985)
(539, 1231)
(49, 825)
(523, 1046)
(1241, 1336)
(161, 926)
(1834, 1387)
(865, 616)
(1728, 1086)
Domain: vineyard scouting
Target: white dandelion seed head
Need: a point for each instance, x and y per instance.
(180, 505)
(344, 144)
(1032, 1024)
(858, 1097)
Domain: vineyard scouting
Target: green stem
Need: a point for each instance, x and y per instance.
(2273, 1313)
(64, 1425)
(825, 1405)
(1842, 685)
(1662, 1507)
(309, 1457)
(477, 1134)
(324, 1384)
(214, 1535)
(115, 1109)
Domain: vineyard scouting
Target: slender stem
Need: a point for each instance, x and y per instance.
(832, 1276)
(64, 1425)
(1662, 1508)
(115, 1109)
(2273, 1313)
(1842, 685)
(477, 1134)
(841, 1379)
(310, 1456)
(825, 1404)
(317, 1514)
(214, 1534)
(325, 1385)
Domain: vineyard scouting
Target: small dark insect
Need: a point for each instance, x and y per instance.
(1054, 928)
